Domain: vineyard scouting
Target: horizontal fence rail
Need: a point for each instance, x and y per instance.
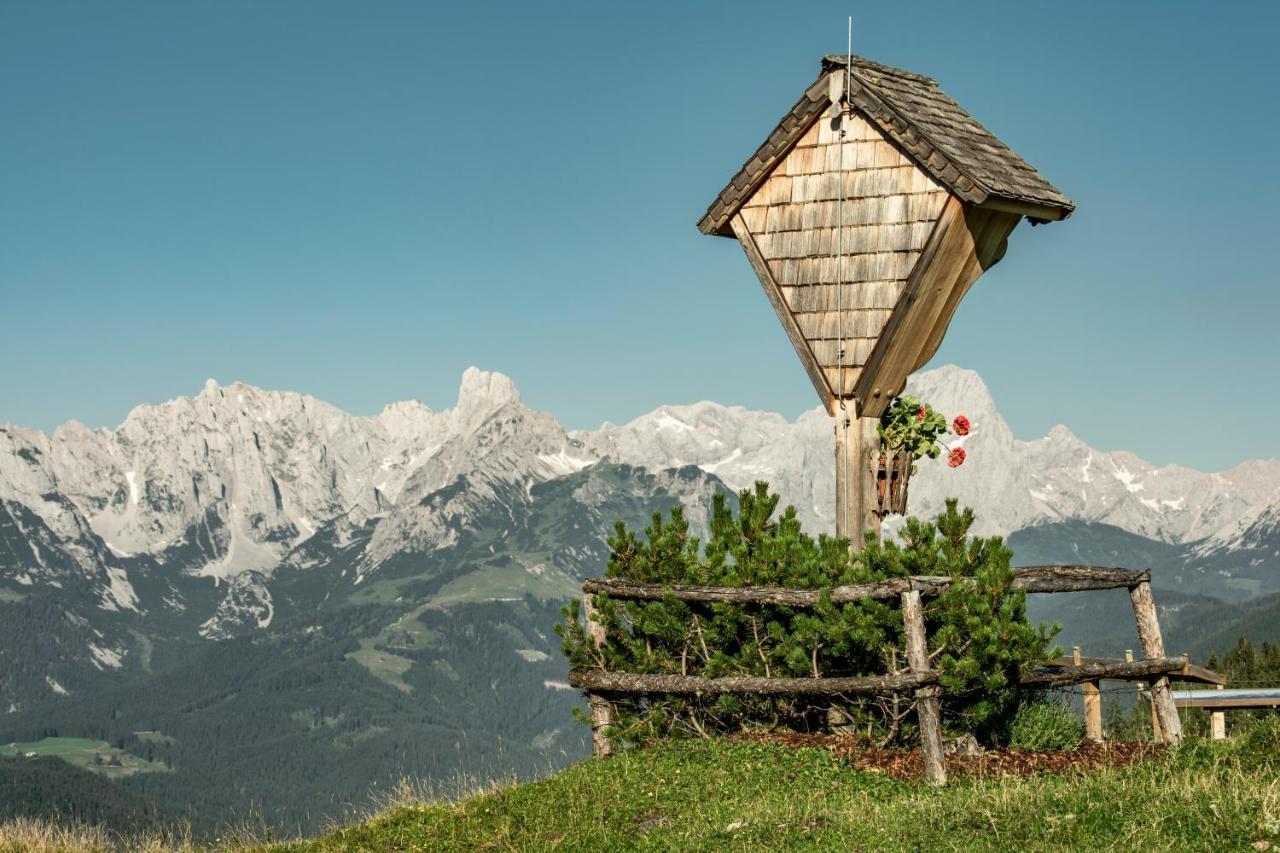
(629, 682)
(1138, 670)
(1190, 672)
(1029, 578)
(1058, 676)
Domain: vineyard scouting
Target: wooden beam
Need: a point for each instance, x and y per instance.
(1029, 578)
(784, 596)
(928, 711)
(603, 714)
(1202, 675)
(1093, 711)
(1218, 723)
(1075, 578)
(1144, 613)
(1190, 672)
(632, 682)
(770, 285)
(857, 458)
(1138, 670)
(989, 247)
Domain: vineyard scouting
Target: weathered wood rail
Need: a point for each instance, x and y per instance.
(1056, 676)
(921, 679)
(634, 682)
(1029, 579)
(1062, 676)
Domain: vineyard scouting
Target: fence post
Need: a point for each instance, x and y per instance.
(1093, 711)
(1218, 720)
(1092, 702)
(927, 704)
(1164, 712)
(603, 714)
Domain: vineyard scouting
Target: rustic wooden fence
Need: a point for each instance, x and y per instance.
(1154, 667)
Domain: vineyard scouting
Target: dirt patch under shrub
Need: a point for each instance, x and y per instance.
(909, 764)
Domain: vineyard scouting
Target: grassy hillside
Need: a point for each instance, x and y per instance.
(723, 795)
(701, 795)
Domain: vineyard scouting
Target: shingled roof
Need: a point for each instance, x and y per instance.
(931, 128)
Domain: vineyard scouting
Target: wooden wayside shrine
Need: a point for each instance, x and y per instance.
(867, 214)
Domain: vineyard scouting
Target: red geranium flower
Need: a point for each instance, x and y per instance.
(920, 413)
(960, 426)
(956, 457)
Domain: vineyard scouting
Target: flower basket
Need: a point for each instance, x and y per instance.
(891, 482)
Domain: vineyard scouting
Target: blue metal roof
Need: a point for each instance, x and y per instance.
(1234, 693)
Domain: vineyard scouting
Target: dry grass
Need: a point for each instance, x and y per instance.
(35, 835)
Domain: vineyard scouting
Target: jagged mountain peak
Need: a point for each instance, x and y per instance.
(1060, 432)
(486, 388)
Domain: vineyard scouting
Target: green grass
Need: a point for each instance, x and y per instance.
(384, 665)
(722, 795)
(81, 752)
(155, 737)
(524, 574)
(488, 583)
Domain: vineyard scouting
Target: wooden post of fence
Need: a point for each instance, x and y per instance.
(1164, 711)
(603, 714)
(1157, 731)
(927, 705)
(1218, 722)
(1093, 711)
(1092, 702)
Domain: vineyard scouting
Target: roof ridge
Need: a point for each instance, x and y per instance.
(833, 60)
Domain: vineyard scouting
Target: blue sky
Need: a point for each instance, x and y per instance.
(358, 200)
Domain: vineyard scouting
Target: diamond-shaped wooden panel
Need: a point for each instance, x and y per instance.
(841, 265)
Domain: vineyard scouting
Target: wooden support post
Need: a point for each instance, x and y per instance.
(1092, 703)
(1093, 711)
(1164, 711)
(856, 445)
(1218, 722)
(603, 714)
(1157, 731)
(927, 704)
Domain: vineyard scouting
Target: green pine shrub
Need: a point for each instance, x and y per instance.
(1043, 725)
(978, 633)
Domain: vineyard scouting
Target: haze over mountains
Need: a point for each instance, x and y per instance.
(387, 584)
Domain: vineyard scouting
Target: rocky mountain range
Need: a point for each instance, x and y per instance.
(238, 480)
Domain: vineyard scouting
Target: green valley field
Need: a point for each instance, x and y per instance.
(90, 754)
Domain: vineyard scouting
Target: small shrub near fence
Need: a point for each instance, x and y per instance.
(1042, 725)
